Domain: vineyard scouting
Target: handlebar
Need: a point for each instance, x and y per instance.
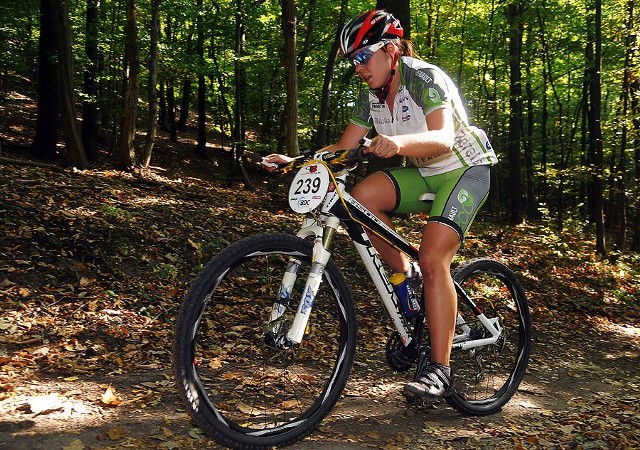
(337, 160)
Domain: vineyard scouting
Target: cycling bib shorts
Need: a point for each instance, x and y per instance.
(459, 194)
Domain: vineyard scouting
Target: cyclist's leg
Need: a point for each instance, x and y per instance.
(459, 195)
(379, 193)
(439, 245)
(394, 190)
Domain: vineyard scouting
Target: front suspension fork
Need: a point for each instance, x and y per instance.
(320, 258)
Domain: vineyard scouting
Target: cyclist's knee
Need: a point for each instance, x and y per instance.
(437, 250)
(375, 193)
(434, 266)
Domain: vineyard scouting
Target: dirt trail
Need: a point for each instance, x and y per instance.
(581, 392)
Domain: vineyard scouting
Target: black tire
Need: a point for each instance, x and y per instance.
(240, 390)
(487, 377)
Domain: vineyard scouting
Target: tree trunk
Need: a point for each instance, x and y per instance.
(289, 29)
(171, 112)
(635, 113)
(237, 165)
(162, 100)
(514, 15)
(595, 128)
(306, 45)
(152, 120)
(201, 147)
(462, 42)
(322, 138)
(90, 106)
(126, 152)
(170, 118)
(431, 41)
(630, 55)
(184, 103)
(530, 202)
(76, 156)
(46, 138)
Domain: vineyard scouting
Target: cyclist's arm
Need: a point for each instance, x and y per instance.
(436, 141)
(350, 139)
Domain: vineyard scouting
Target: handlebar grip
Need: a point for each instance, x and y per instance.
(365, 142)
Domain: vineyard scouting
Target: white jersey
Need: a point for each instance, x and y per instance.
(423, 89)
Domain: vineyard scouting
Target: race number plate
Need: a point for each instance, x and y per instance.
(309, 187)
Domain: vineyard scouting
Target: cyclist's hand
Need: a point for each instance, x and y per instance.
(273, 161)
(383, 146)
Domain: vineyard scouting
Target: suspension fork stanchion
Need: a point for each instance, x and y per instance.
(320, 259)
(309, 227)
(286, 287)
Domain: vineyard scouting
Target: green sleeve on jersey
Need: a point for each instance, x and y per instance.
(430, 89)
(361, 115)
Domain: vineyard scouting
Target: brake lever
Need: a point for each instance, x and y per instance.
(357, 154)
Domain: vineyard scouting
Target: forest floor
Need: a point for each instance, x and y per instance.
(94, 264)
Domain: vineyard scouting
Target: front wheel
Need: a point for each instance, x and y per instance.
(487, 377)
(237, 384)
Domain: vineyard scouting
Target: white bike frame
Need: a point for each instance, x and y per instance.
(340, 209)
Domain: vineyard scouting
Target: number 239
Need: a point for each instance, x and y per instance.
(308, 185)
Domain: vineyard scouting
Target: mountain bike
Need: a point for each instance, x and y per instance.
(265, 338)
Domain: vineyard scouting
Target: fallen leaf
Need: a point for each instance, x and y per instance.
(116, 433)
(76, 444)
(110, 398)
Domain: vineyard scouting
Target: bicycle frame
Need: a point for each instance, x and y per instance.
(338, 209)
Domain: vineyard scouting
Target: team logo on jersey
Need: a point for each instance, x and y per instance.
(434, 96)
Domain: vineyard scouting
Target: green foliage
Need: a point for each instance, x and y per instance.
(164, 272)
(116, 213)
(468, 39)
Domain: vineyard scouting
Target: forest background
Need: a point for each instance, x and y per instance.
(554, 83)
(127, 125)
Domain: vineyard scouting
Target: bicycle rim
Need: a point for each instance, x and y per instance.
(252, 394)
(487, 377)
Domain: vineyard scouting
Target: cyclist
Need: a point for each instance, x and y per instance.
(417, 112)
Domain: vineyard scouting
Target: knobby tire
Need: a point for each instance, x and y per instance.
(239, 388)
(487, 377)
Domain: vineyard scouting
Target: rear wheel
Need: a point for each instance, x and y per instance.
(487, 377)
(238, 385)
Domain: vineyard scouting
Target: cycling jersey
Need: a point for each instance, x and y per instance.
(425, 88)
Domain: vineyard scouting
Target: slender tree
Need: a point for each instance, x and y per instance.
(321, 138)
(289, 29)
(515, 12)
(76, 156)
(128, 130)
(239, 131)
(46, 138)
(152, 119)
(595, 125)
(89, 105)
(635, 113)
(630, 53)
(185, 101)
(201, 147)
